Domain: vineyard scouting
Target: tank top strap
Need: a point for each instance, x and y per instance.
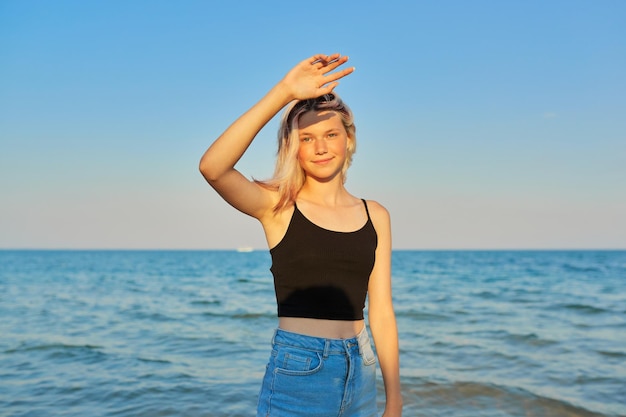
(366, 209)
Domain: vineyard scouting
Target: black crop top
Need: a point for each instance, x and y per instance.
(320, 273)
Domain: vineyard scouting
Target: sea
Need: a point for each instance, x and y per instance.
(187, 333)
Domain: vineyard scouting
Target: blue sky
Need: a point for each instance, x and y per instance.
(481, 125)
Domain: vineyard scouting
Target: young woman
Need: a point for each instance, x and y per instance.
(329, 250)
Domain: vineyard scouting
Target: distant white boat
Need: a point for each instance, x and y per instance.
(245, 249)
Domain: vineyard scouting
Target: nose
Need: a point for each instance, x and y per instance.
(320, 146)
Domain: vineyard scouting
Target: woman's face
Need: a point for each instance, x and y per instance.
(323, 144)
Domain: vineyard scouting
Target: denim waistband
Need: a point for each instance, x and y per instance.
(319, 344)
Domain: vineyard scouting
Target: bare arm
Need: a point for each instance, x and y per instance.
(310, 78)
(382, 318)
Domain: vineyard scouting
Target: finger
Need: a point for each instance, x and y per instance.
(328, 88)
(334, 63)
(338, 74)
(317, 59)
(333, 57)
(326, 60)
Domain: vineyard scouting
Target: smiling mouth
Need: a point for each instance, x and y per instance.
(322, 161)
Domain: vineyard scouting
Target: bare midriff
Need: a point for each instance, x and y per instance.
(328, 329)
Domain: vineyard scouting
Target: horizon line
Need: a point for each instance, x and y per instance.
(247, 249)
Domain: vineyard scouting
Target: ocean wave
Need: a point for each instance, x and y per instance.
(24, 348)
(422, 315)
(461, 398)
(576, 268)
(583, 308)
(150, 316)
(157, 361)
(206, 303)
(612, 354)
(487, 295)
(531, 339)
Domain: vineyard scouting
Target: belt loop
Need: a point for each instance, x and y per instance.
(274, 336)
(326, 348)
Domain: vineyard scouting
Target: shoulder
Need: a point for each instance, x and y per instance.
(376, 209)
(379, 214)
(381, 220)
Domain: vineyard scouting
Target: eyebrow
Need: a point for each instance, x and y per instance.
(305, 133)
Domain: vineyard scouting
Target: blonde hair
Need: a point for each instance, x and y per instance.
(288, 174)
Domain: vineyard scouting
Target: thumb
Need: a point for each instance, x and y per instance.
(328, 88)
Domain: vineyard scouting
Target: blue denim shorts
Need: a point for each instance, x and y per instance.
(312, 376)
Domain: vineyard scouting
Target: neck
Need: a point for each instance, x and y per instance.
(331, 193)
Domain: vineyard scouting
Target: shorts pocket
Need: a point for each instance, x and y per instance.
(293, 361)
(367, 353)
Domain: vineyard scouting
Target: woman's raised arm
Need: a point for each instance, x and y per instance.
(309, 79)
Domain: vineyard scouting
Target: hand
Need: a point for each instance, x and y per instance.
(392, 411)
(392, 414)
(312, 77)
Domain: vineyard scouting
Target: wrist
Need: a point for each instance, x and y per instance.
(283, 91)
(393, 403)
(392, 411)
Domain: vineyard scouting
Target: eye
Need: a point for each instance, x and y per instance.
(332, 135)
(306, 139)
